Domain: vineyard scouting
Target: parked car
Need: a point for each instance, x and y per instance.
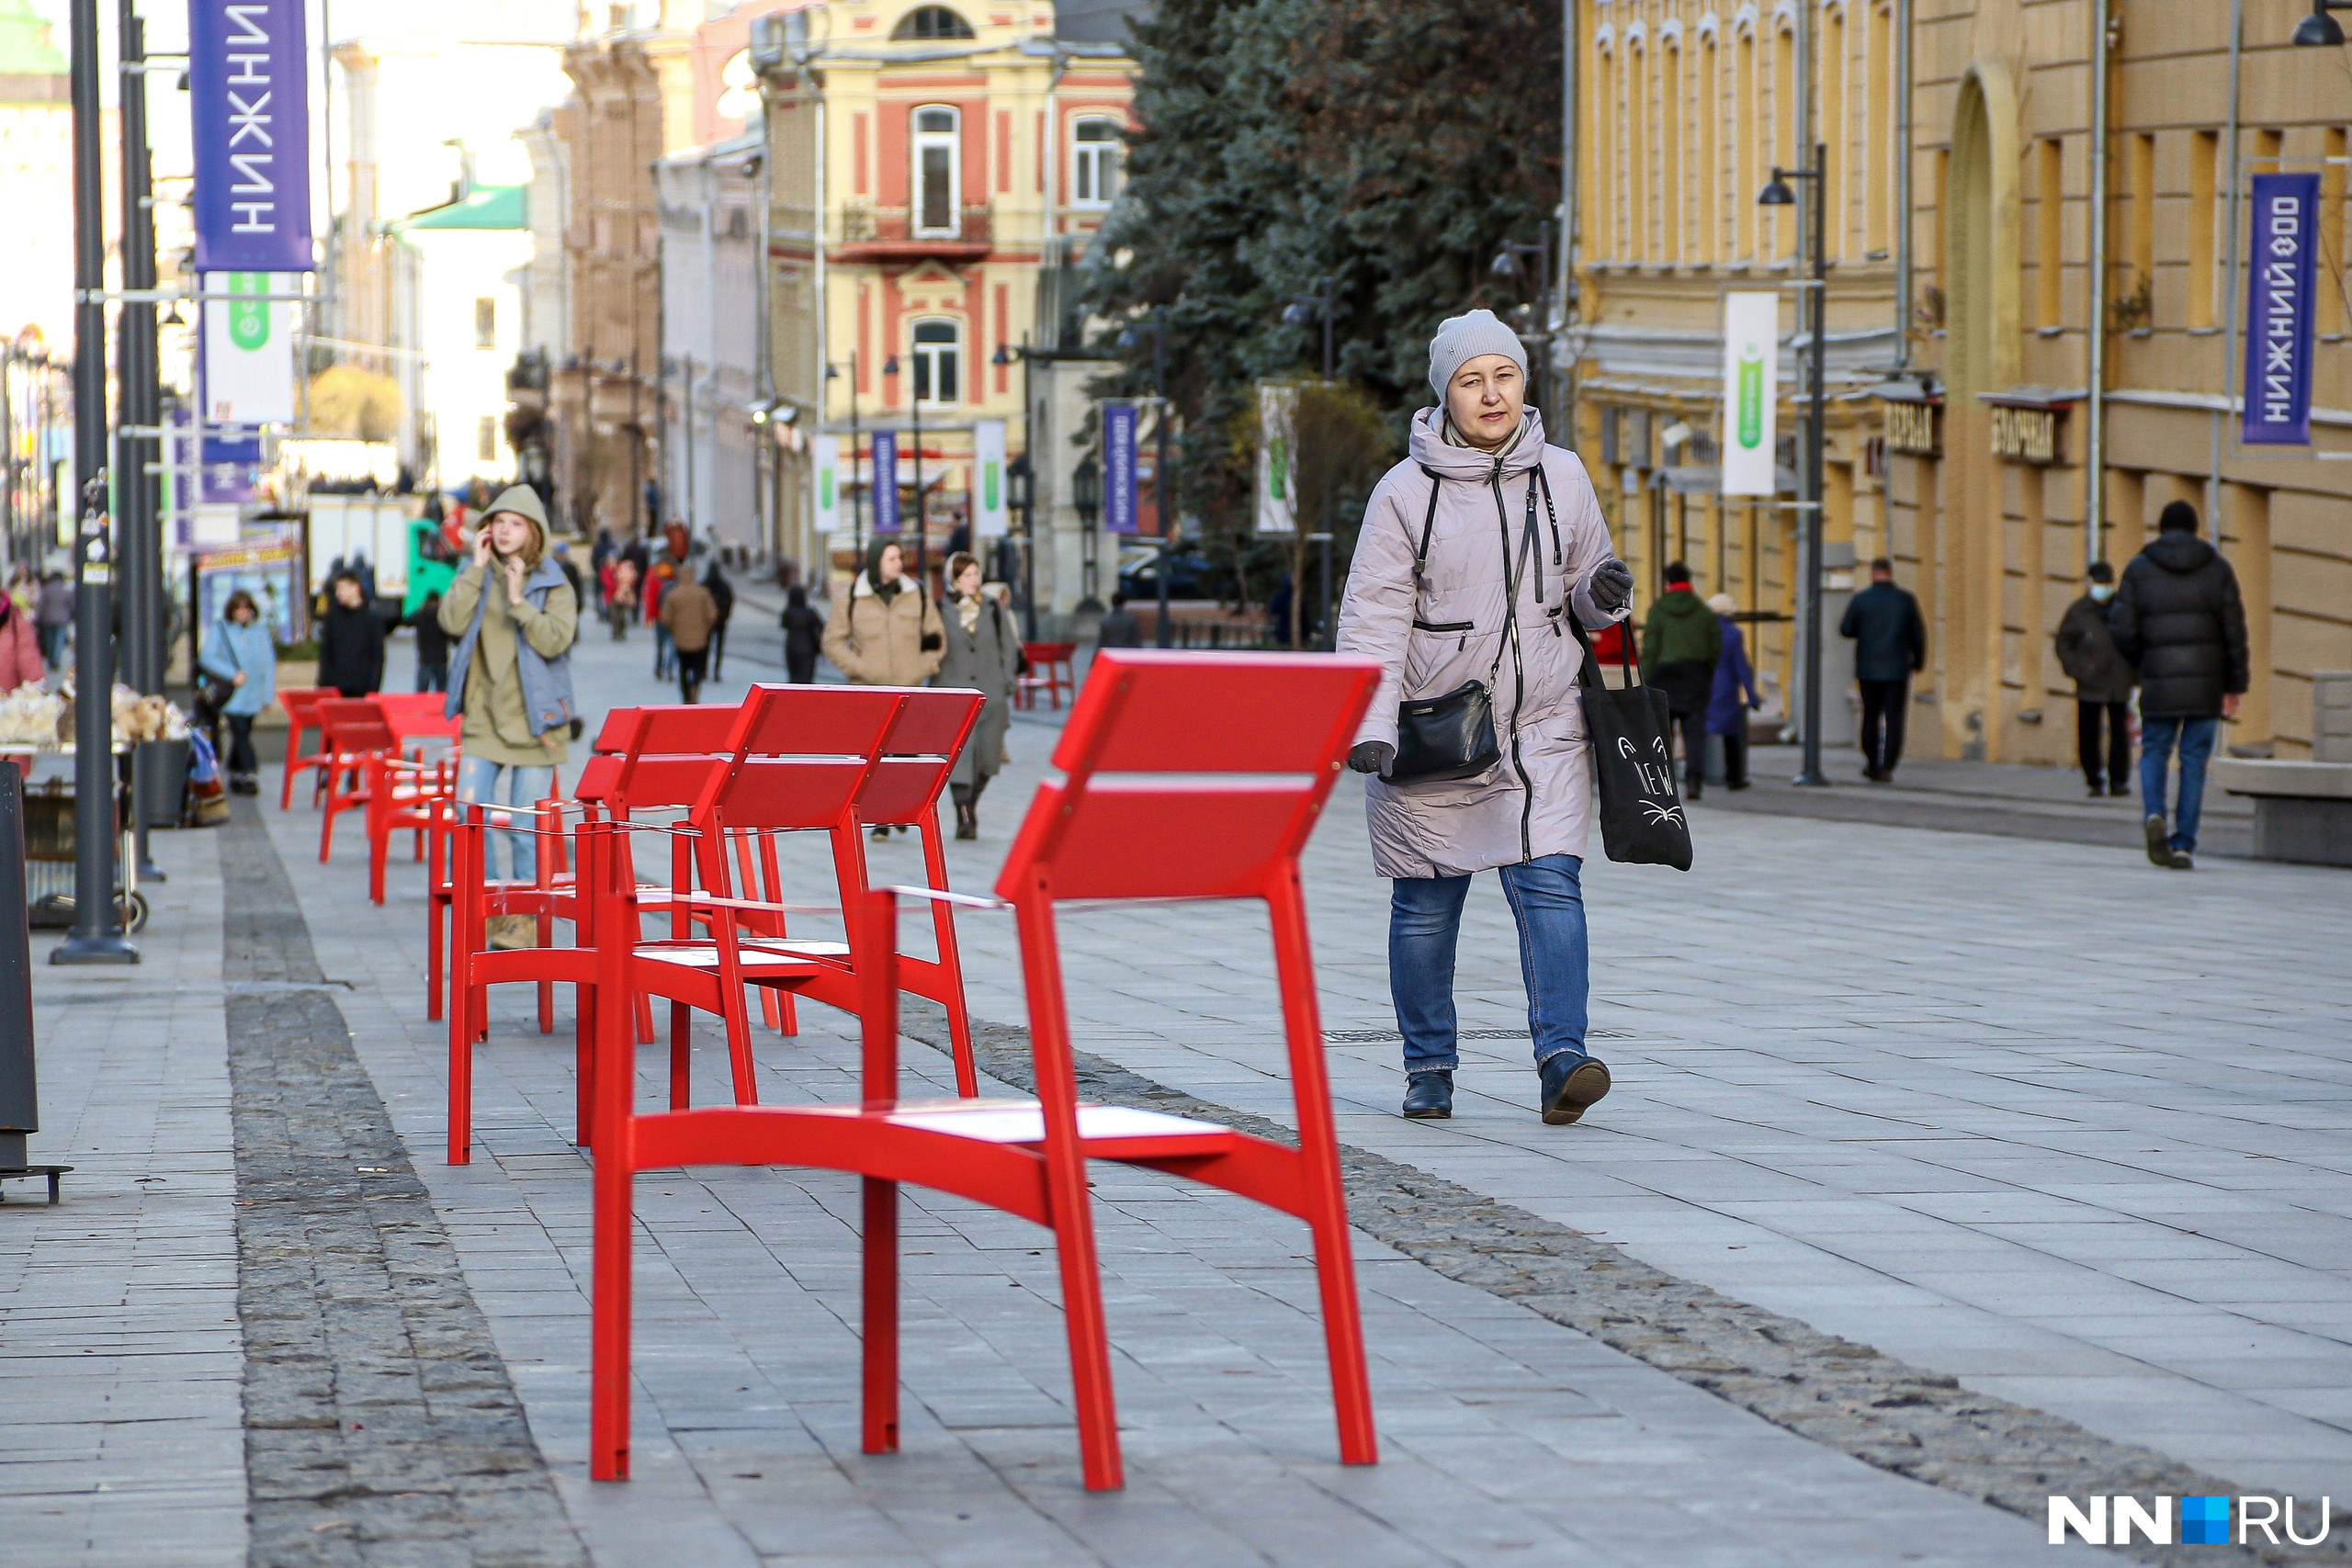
(1191, 573)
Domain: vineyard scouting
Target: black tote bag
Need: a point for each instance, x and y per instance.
(1642, 821)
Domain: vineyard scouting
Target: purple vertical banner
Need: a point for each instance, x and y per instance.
(2278, 311)
(886, 481)
(1119, 468)
(248, 77)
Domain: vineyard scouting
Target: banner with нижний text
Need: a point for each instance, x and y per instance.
(824, 483)
(1751, 387)
(248, 80)
(1277, 473)
(886, 481)
(2278, 312)
(989, 508)
(1119, 468)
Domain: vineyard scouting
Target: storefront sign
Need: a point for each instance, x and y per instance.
(2026, 436)
(886, 481)
(824, 483)
(1751, 388)
(1119, 468)
(270, 571)
(2278, 312)
(1277, 471)
(989, 509)
(248, 76)
(1911, 428)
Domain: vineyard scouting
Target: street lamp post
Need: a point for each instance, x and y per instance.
(97, 936)
(923, 521)
(1162, 488)
(137, 496)
(1086, 495)
(1020, 477)
(1303, 308)
(1816, 291)
(1511, 262)
(856, 484)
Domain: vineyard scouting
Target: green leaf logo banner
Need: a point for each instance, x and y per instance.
(248, 319)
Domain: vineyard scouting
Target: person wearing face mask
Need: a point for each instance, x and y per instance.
(1472, 554)
(2103, 680)
(514, 616)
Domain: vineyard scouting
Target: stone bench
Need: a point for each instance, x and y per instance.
(2302, 810)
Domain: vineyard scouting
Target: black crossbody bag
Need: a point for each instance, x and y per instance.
(1452, 736)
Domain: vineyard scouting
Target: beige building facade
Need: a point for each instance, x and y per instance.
(1959, 442)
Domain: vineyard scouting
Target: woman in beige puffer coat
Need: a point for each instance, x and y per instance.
(889, 634)
(1517, 544)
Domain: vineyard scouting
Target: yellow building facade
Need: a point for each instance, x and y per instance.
(930, 166)
(1959, 442)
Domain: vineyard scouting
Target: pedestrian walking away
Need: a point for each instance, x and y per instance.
(2103, 680)
(804, 636)
(1472, 552)
(715, 583)
(351, 640)
(20, 646)
(983, 654)
(240, 659)
(2178, 619)
(1890, 647)
(53, 615)
(1681, 642)
(1118, 627)
(890, 633)
(689, 615)
(432, 646)
(515, 617)
(1733, 696)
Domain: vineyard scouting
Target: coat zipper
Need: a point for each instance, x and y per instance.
(1518, 669)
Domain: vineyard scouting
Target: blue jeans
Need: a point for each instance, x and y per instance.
(478, 779)
(2194, 738)
(1424, 921)
(433, 677)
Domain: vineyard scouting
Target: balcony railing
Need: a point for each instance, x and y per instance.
(891, 231)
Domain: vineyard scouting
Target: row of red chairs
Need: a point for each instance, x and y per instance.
(1146, 808)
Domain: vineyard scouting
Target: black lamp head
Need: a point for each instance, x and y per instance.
(1777, 193)
(2318, 30)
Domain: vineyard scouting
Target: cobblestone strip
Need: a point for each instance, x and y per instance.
(380, 1427)
(1847, 1396)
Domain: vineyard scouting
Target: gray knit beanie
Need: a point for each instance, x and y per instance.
(1461, 339)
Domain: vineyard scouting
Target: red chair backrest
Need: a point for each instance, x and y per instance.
(918, 754)
(354, 724)
(817, 721)
(1189, 775)
(780, 794)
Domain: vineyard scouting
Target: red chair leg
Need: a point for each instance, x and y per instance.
(881, 1404)
(461, 1035)
(951, 963)
(681, 1040)
(1068, 1203)
(616, 1153)
(434, 915)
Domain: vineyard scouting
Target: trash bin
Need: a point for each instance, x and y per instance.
(163, 783)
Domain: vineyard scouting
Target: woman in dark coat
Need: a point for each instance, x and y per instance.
(983, 655)
(351, 641)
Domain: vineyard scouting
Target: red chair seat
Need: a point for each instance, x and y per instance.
(758, 963)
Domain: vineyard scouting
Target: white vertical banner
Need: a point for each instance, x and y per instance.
(248, 349)
(1277, 464)
(989, 510)
(824, 483)
(1751, 391)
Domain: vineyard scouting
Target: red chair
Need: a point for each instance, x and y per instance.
(403, 796)
(1050, 669)
(352, 730)
(610, 786)
(1126, 822)
(302, 704)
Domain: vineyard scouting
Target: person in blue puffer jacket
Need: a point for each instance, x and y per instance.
(240, 650)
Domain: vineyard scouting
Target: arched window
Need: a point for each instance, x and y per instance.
(1604, 157)
(1673, 97)
(929, 22)
(938, 355)
(1878, 121)
(1093, 162)
(1743, 132)
(1709, 159)
(1785, 227)
(1637, 149)
(938, 173)
(1833, 131)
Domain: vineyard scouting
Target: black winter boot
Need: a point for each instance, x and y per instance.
(1429, 1096)
(1572, 1084)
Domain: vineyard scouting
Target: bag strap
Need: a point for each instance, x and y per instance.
(1429, 522)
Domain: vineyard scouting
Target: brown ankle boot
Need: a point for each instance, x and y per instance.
(968, 821)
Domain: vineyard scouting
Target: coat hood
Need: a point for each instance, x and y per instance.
(2180, 552)
(523, 502)
(1432, 451)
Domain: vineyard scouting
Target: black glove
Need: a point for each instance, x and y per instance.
(1611, 586)
(932, 642)
(1373, 757)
